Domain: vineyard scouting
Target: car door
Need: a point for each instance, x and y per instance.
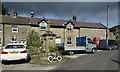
(89, 45)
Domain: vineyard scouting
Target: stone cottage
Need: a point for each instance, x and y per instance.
(51, 31)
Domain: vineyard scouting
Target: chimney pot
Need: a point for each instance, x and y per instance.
(74, 18)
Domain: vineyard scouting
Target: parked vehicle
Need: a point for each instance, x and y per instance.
(84, 44)
(96, 41)
(108, 44)
(14, 52)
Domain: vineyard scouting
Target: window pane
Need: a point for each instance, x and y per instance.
(14, 28)
(69, 40)
(43, 27)
(41, 38)
(58, 40)
(89, 40)
(69, 27)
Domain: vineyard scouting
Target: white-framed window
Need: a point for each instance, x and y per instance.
(58, 40)
(69, 27)
(14, 28)
(23, 42)
(69, 41)
(43, 25)
(0, 41)
(41, 38)
(0, 28)
(14, 39)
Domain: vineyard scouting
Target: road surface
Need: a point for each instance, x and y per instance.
(104, 60)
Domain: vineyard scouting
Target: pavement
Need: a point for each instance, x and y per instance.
(26, 66)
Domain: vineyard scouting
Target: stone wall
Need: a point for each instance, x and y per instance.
(21, 34)
(1, 34)
(62, 32)
(91, 32)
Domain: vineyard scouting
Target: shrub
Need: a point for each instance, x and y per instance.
(118, 41)
(31, 52)
(53, 49)
(42, 50)
(33, 40)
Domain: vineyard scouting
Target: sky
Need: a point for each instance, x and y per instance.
(95, 12)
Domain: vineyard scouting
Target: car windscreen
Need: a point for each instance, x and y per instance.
(14, 46)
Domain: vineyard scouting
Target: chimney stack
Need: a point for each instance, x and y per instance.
(32, 14)
(15, 14)
(74, 18)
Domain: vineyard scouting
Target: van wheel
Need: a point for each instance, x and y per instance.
(71, 52)
(94, 50)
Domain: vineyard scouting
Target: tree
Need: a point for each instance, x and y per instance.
(113, 29)
(5, 10)
(34, 40)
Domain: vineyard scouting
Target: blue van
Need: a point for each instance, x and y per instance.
(108, 44)
(84, 44)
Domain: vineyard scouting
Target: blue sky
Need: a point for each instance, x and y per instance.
(95, 12)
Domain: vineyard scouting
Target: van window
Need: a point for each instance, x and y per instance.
(103, 42)
(89, 40)
(112, 42)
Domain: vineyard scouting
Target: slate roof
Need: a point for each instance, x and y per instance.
(18, 20)
(54, 22)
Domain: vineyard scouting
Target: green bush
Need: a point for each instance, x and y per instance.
(33, 40)
(53, 49)
(118, 41)
(42, 50)
(31, 52)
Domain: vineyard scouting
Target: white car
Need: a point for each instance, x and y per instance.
(14, 52)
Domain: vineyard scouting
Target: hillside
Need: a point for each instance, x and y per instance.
(114, 29)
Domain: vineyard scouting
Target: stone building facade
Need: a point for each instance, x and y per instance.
(15, 30)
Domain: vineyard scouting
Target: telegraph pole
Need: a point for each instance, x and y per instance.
(108, 9)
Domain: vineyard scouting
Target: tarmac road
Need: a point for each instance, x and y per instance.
(104, 60)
